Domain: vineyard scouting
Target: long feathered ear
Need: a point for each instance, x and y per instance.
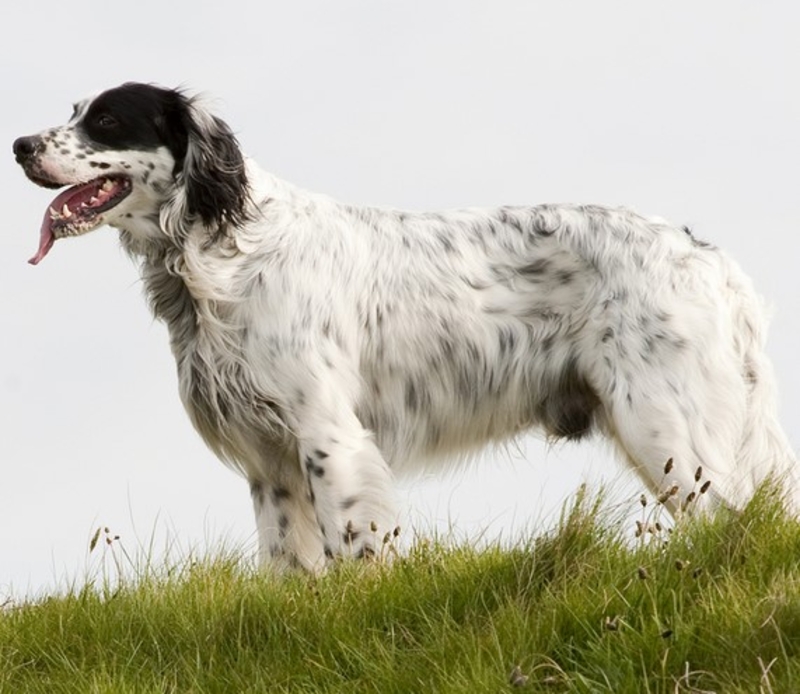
(211, 183)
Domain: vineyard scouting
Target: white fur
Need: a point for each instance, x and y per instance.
(324, 348)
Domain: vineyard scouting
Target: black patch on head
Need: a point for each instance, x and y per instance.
(208, 161)
(140, 117)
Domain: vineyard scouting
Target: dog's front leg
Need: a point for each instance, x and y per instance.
(288, 533)
(349, 485)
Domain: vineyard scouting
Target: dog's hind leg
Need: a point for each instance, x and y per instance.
(688, 379)
(674, 399)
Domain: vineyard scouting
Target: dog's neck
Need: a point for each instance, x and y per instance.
(187, 277)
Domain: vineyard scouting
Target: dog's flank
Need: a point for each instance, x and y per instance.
(323, 348)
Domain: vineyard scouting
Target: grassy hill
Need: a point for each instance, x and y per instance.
(713, 606)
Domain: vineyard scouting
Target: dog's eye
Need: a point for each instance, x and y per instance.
(104, 120)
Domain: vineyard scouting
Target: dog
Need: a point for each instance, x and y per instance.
(324, 348)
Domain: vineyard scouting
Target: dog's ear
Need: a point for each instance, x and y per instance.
(211, 182)
(213, 172)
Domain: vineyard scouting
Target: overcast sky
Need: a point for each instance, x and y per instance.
(684, 110)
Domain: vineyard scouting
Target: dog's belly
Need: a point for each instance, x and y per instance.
(472, 398)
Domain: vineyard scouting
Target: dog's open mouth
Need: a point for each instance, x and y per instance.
(78, 209)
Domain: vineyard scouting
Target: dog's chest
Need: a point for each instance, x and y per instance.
(236, 417)
(218, 387)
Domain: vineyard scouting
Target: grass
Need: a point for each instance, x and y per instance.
(711, 606)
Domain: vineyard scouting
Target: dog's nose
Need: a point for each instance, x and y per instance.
(25, 147)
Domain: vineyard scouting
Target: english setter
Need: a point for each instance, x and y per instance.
(323, 348)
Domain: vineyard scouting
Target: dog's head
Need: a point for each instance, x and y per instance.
(141, 158)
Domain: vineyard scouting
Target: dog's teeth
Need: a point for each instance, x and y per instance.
(93, 200)
(108, 185)
(54, 213)
(65, 211)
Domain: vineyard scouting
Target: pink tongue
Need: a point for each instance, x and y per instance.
(79, 199)
(46, 239)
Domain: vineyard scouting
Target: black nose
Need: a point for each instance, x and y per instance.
(26, 147)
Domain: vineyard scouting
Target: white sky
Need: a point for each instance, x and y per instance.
(685, 110)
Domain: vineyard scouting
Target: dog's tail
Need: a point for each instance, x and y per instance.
(764, 449)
